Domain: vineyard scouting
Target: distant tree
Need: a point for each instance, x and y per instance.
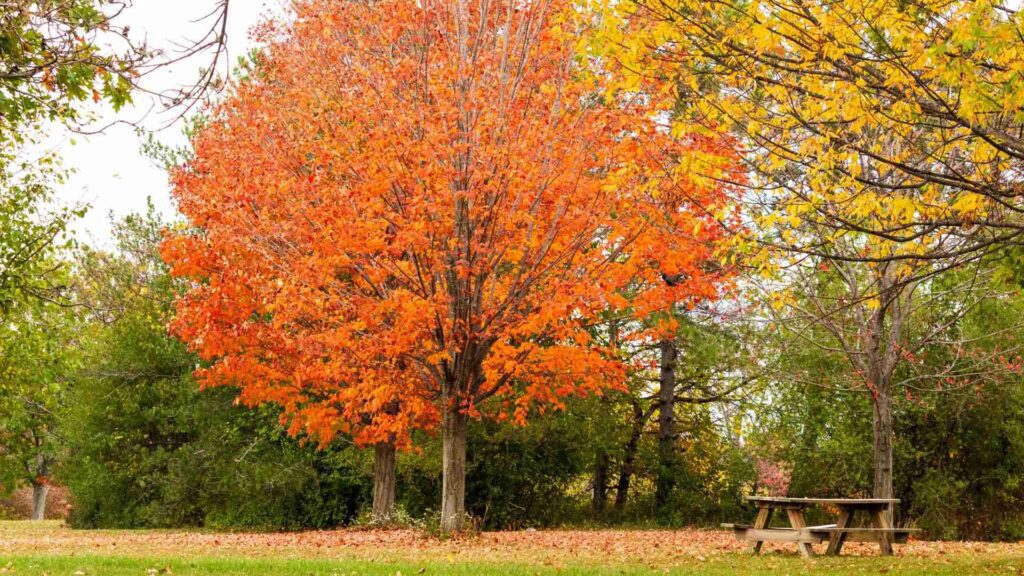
(955, 434)
(37, 340)
(696, 359)
(413, 212)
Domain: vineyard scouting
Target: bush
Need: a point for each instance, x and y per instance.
(146, 448)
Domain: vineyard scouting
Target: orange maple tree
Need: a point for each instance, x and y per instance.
(412, 212)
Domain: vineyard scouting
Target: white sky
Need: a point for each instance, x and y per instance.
(110, 172)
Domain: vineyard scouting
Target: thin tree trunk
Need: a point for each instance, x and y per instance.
(40, 485)
(625, 475)
(629, 458)
(602, 466)
(881, 404)
(453, 491)
(666, 426)
(384, 482)
(600, 496)
(39, 493)
(882, 354)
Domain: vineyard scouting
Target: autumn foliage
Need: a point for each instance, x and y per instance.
(413, 212)
(883, 148)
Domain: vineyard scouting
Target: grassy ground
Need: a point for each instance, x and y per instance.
(47, 548)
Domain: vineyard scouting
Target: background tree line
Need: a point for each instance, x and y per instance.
(106, 404)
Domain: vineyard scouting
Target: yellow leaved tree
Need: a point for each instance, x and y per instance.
(883, 147)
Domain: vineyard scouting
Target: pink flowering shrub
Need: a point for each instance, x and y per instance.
(773, 477)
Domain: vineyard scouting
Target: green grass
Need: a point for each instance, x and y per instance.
(89, 565)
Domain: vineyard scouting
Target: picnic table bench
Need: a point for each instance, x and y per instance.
(877, 510)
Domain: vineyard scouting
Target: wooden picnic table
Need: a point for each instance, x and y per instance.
(877, 510)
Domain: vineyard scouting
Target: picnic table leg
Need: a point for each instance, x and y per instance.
(764, 516)
(796, 520)
(835, 541)
(882, 520)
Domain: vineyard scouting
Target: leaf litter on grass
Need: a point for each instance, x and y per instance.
(553, 548)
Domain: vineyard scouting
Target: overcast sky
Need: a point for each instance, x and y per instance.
(111, 173)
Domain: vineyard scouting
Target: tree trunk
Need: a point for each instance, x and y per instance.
(602, 466)
(384, 482)
(625, 476)
(600, 497)
(629, 458)
(453, 491)
(39, 492)
(881, 404)
(666, 426)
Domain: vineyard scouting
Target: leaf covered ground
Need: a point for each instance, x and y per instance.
(48, 548)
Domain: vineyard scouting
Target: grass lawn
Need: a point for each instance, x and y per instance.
(47, 548)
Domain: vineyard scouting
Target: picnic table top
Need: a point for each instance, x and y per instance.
(833, 501)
